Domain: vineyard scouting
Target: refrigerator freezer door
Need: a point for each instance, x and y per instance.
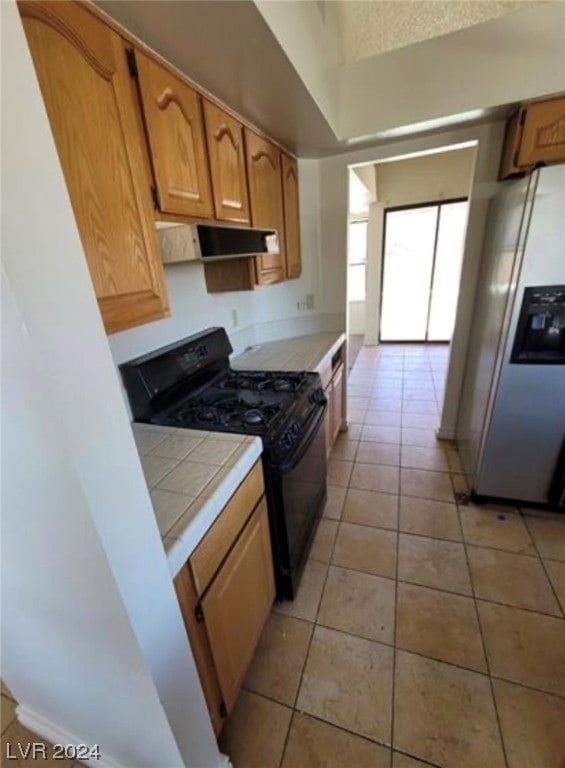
(527, 426)
(506, 225)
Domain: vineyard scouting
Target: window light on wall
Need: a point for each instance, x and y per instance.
(357, 260)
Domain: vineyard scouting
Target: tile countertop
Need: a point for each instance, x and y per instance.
(300, 353)
(191, 475)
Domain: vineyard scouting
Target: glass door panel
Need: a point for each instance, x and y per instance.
(407, 273)
(447, 270)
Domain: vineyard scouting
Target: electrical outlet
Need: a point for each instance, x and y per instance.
(310, 301)
(234, 318)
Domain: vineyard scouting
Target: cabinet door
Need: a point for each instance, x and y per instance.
(543, 134)
(82, 71)
(238, 602)
(200, 646)
(329, 419)
(227, 164)
(175, 129)
(512, 138)
(265, 190)
(337, 402)
(291, 217)
(208, 555)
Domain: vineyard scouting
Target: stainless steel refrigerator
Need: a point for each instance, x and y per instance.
(511, 421)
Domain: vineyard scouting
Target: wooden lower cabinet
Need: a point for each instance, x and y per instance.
(328, 391)
(200, 645)
(238, 603)
(337, 402)
(333, 384)
(209, 554)
(226, 591)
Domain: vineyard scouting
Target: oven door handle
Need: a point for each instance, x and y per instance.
(299, 452)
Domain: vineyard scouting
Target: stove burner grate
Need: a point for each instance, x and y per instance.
(253, 416)
(229, 412)
(264, 381)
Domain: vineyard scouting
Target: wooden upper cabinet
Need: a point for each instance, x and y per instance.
(227, 165)
(82, 71)
(265, 191)
(534, 134)
(175, 130)
(291, 216)
(543, 133)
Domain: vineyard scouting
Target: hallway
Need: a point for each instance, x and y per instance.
(421, 624)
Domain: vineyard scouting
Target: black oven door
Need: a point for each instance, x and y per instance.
(296, 491)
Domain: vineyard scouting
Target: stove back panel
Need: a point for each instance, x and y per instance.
(149, 379)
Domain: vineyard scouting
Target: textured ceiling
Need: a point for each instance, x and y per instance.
(370, 27)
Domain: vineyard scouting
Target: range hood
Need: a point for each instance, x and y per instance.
(213, 242)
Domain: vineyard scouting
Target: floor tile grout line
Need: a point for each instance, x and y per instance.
(541, 559)
(434, 588)
(420, 655)
(528, 687)
(315, 621)
(349, 731)
(285, 745)
(481, 599)
(529, 555)
(395, 630)
(484, 647)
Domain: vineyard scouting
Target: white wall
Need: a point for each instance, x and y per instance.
(93, 643)
(265, 314)
(440, 176)
(334, 178)
(514, 58)
(356, 318)
(373, 276)
(310, 38)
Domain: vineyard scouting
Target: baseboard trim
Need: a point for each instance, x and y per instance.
(445, 434)
(57, 735)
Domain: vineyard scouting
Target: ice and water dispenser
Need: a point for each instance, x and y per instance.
(540, 333)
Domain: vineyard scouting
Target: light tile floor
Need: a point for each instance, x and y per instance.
(424, 632)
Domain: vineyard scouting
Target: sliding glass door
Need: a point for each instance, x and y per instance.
(423, 253)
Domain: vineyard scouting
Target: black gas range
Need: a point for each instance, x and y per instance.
(190, 384)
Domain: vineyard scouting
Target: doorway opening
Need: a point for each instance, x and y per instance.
(423, 247)
(407, 224)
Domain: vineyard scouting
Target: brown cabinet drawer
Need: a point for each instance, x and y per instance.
(213, 548)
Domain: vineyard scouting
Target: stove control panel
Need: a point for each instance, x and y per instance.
(289, 436)
(317, 396)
